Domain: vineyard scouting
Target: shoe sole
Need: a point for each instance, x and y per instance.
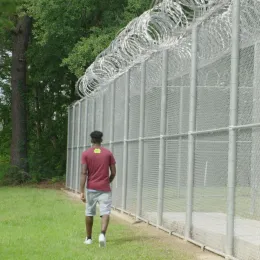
(102, 244)
(87, 243)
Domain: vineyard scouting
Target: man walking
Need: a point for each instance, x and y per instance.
(96, 163)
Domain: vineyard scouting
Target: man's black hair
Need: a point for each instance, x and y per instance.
(96, 137)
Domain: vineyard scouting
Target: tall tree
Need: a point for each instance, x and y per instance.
(21, 35)
(66, 37)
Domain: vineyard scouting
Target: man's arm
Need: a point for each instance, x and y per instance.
(83, 179)
(113, 172)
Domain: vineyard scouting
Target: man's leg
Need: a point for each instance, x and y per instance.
(89, 225)
(105, 202)
(90, 213)
(104, 223)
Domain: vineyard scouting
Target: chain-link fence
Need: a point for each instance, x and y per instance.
(184, 126)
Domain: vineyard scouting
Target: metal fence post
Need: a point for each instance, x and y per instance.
(141, 141)
(85, 119)
(72, 145)
(85, 124)
(162, 140)
(255, 167)
(69, 150)
(78, 149)
(93, 114)
(112, 116)
(180, 143)
(232, 155)
(102, 113)
(192, 128)
(126, 130)
(112, 122)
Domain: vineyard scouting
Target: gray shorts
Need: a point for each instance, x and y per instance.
(104, 199)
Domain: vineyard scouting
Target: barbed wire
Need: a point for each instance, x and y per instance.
(166, 25)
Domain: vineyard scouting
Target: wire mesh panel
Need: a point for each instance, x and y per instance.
(255, 162)
(186, 107)
(174, 109)
(214, 37)
(178, 106)
(249, 22)
(134, 104)
(178, 89)
(90, 127)
(107, 116)
(213, 78)
(247, 215)
(179, 61)
(119, 109)
(176, 157)
(117, 187)
(152, 112)
(210, 190)
(247, 207)
(213, 96)
(154, 71)
(98, 113)
(150, 180)
(175, 184)
(245, 91)
(212, 107)
(153, 95)
(132, 173)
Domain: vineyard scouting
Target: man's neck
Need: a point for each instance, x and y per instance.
(96, 145)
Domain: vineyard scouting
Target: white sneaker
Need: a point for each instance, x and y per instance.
(102, 240)
(88, 241)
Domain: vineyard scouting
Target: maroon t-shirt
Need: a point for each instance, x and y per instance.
(98, 161)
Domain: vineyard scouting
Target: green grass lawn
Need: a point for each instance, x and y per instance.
(45, 224)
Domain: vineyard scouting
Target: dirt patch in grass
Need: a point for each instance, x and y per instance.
(48, 185)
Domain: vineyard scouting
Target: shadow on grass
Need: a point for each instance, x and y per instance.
(131, 238)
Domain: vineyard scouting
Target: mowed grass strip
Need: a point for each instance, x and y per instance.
(45, 224)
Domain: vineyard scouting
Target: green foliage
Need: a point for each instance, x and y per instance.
(136, 8)
(87, 47)
(58, 179)
(4, 163)
(14, 176)
(112, 19)
(7, 8)
(5, 111)
(67, 35)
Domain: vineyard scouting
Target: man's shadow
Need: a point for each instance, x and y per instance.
(133, 238)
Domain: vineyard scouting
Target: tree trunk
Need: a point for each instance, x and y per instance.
(19, 93)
